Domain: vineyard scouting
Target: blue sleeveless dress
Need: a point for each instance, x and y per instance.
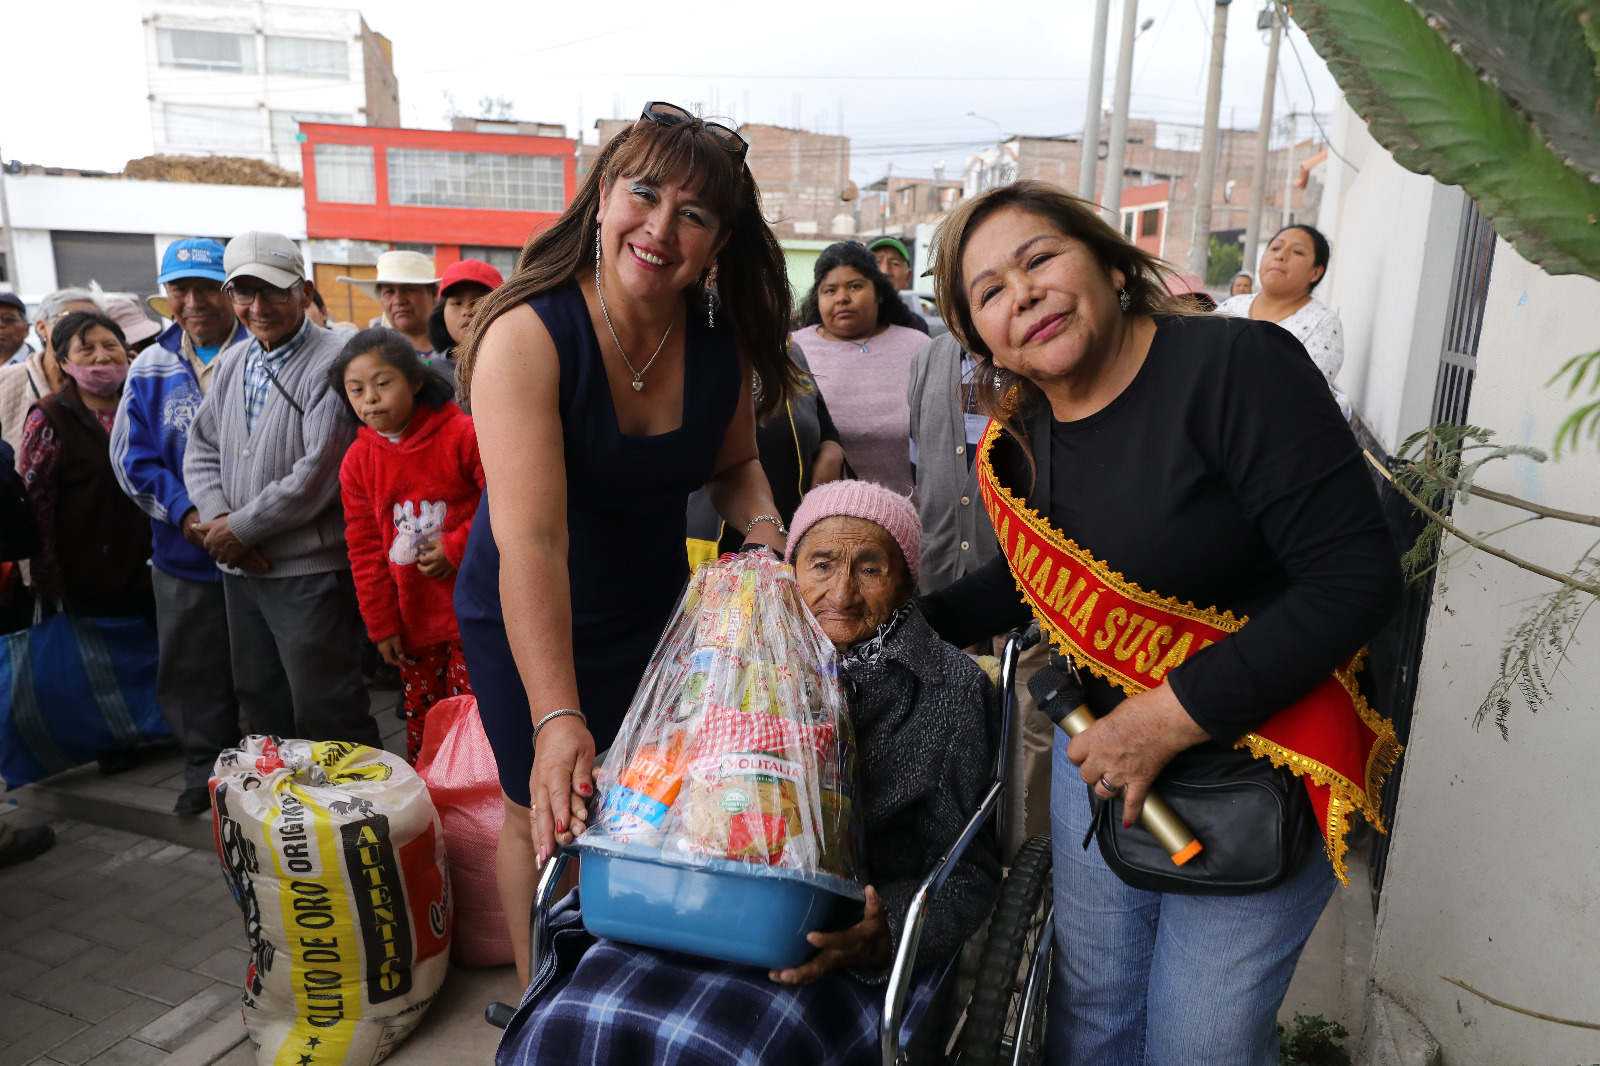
(626, 559)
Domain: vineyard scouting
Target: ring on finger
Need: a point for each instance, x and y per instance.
(1108, 786)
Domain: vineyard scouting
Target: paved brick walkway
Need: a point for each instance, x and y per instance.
(119, 949)
(122, 948)
(114, 948)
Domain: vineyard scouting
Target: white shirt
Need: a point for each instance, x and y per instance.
(1315, 326)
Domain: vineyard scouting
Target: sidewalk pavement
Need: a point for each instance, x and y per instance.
(122, 946)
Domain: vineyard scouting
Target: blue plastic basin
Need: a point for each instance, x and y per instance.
(747, 918)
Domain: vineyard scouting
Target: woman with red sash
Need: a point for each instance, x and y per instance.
(1182, 507)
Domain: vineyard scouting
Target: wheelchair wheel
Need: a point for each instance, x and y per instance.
(991, 1033)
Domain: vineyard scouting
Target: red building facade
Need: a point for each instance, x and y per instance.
(447, 193)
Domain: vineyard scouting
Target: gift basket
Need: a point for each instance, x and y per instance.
(727, 824)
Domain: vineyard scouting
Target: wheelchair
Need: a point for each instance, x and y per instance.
(1001, 1019)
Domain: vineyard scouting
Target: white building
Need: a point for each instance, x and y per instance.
(1489, 874)
(73, 230)
(234, 77)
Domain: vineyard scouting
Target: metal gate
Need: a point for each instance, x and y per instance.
(1396, 653)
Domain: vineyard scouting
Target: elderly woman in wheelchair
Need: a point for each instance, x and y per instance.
(926, 722)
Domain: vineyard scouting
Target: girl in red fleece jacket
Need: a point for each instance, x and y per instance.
(411, 484)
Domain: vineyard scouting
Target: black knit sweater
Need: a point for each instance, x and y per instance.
(926, 720)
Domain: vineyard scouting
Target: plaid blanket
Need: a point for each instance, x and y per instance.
(596, 1002)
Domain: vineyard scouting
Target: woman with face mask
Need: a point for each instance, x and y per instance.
(96, 542)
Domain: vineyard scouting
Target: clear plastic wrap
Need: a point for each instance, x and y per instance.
(737, 752)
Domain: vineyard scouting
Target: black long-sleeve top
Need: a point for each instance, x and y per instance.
(1223, 475)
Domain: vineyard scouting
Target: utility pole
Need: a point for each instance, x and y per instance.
(1091, 108)
(1119, 113)
(1288, 171)
(1206, 183)
(1258, 172)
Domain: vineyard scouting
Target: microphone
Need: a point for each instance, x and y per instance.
(1060, 695)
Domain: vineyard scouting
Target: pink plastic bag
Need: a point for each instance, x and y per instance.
(458, 766)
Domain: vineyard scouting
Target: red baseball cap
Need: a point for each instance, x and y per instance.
(474, 270)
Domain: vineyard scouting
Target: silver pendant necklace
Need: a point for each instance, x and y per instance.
(638, 375)
(841, 340)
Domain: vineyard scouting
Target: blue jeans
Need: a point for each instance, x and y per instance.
(1160, 979)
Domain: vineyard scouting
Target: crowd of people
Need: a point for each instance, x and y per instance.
(267, 511)
(286, 498)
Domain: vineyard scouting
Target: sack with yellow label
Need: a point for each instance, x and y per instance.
(336, 856)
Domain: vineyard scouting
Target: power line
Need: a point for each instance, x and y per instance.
(1313, 94)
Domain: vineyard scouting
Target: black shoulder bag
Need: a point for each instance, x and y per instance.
(1253, 820)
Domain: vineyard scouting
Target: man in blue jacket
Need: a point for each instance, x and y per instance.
(194, 682)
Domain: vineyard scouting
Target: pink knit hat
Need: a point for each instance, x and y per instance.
(866, 500)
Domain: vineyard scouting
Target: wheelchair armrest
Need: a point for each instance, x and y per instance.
(539, 918)
(905, 958)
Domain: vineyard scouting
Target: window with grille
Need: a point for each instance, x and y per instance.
(206, 50)
(308, 57)
(1469, 291)
(207, 126)
(422, 178)
(1150, 222)
(345, 174)
(502, 259)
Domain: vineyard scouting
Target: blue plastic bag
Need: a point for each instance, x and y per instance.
(73, 689)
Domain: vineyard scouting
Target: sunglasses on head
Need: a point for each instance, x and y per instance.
(668, 115)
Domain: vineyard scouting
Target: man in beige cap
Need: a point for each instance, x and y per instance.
(262, 470)
(407, 289)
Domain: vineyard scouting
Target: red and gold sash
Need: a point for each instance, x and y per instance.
(1330, 737)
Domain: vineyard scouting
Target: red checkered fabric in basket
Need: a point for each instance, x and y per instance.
(724, 729)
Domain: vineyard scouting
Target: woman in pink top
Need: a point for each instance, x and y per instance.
(858, 339)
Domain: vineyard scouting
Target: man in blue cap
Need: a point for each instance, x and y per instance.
(194, 681)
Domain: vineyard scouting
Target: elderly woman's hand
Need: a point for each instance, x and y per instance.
(1131, 745)
(865, 945)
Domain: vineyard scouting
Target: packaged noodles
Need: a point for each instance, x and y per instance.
(737, 748)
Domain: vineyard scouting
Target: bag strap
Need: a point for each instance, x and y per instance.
(301, 411)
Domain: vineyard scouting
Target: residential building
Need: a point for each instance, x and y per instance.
(802, 177)
(73, 227)
(1168, 153)
(895, 203)
(235, 77)
(451, 194)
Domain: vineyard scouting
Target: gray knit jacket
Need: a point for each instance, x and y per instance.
(926, 718)
(280, 484)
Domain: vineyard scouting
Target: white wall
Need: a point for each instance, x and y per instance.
(41, 203)
(111, 205)
(1493, 875)
(1393, 236)
(35, 273)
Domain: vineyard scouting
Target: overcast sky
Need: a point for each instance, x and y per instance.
(902, 78)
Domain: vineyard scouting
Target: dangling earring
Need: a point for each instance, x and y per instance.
(711, 309)
(597, 244)
(1124, 299)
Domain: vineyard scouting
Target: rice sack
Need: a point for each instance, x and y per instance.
(737, 748)
(336, 856)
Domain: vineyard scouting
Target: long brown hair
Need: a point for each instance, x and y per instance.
(1002, 393)
(752, 283)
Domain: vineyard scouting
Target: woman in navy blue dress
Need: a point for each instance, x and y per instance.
(608, 383)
